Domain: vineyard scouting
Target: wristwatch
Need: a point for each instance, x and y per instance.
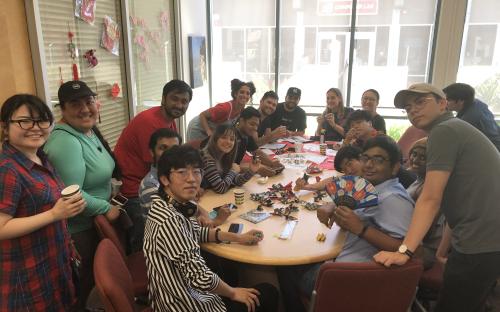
(403, 249)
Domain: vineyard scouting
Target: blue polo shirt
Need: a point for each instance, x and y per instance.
(392, 216)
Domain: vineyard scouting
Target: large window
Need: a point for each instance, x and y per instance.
(480, 55)
(393, 43)
(153, 49)
(391, 48)
(243, 46)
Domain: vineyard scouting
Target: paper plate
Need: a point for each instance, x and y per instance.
(353, 192)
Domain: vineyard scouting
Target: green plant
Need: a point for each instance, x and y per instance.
(489, 92)
(396, 131)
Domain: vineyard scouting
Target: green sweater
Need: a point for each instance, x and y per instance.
(83, 160)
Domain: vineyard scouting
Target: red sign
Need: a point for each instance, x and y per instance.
(344, 7)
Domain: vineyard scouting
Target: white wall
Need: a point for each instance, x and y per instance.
(193, 22)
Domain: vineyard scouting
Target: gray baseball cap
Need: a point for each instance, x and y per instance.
(418, 88)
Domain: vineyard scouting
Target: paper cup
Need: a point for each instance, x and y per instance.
(322, 149)
(115, 186)
(239, 196)
(70, 191)
(299, 147)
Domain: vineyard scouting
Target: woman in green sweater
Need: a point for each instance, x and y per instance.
(81, 156)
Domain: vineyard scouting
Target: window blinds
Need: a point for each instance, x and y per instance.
(57, 18)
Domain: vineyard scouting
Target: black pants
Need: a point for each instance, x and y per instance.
(468, 279)
(136, 232)
(268, 299)
(86, 245)
(296, 281)
(226, 269)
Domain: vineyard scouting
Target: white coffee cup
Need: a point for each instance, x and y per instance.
(239, 196)
(70, 191)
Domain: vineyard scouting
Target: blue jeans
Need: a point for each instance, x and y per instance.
(136, 232)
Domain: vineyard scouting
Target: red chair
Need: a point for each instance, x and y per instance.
(135, 262)
(112, 279)
(368, 286)
(429, 286)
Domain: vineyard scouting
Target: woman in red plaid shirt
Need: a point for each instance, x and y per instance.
(35, 270)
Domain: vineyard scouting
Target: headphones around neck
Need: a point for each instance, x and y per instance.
(187, 209)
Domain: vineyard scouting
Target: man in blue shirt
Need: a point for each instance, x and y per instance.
(160, 141)
(460, 97)
(369, 230)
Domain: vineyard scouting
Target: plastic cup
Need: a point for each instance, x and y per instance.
(70, 191)
(299, 147)
(239, 196)
(322, 149)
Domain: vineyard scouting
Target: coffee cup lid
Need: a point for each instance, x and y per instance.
(70, 190)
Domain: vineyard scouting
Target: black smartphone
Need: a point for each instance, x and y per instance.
(235, 228)
(119, 200)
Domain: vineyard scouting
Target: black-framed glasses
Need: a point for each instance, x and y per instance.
(184, 173)
(418, 156)
(377, 160)
(28, 124)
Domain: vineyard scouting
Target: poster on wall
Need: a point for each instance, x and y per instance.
(110, 36)
(197, 61)
(85, 10)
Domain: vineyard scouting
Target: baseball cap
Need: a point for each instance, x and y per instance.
(293, 92)
(418, 88)
(71, 90)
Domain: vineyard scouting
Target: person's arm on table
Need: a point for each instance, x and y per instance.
(176, 244)
(301, 184)
(219, 184)
(425, 211)
(266, 161)
(247, 173)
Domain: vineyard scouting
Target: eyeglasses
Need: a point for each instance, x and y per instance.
(28, 124)
(184, 173)
(377, 160)
(418, 156)
(418, 104)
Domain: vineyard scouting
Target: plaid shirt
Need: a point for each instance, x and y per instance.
(35, 270)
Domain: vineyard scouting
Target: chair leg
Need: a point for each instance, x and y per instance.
(312, 302)
(420, 307)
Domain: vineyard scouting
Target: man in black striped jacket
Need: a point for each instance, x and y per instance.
(179, 279)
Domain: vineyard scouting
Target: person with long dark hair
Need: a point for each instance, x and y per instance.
(203, 125)
(332, 120)
(220, 170)
(35, 248)
(81, 156)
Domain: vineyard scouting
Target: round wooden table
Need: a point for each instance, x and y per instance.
(302, 248)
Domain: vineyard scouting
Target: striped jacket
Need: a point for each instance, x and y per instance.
(179, 279)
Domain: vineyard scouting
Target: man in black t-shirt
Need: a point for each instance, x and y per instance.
(267, 107)
(246, 129)
(289, 114)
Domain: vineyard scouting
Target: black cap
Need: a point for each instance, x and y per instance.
(71, 90)
(293, 92)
